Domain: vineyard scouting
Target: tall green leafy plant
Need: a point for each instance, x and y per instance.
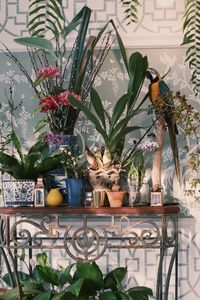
(192, 40)
(80, 280)
(114, 128)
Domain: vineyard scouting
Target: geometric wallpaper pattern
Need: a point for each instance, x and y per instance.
(159, 21)
(158, 34)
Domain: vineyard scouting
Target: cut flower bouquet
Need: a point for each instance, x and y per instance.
(60, 72)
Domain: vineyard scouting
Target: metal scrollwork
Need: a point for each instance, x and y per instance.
(139, 234)
(25, 237)
(85, 243)
(170, 231)
(3, 229)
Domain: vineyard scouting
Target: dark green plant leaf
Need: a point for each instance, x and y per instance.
(16, 144)
(66, 277)
(119, 109)
(140, 293)
(98, 107)
(11, 165)
(92, 273)
(75, 287)
(47, 295)
(137, 69)
(89, 115)
(48, 274)
(114, 277)
(23, 277)
(107, 295)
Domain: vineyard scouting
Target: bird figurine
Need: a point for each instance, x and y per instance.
(161, 97)
(91, 158)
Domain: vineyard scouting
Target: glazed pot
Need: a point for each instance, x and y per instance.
(116, 199)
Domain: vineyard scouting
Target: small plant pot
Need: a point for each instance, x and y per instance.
(116, 199)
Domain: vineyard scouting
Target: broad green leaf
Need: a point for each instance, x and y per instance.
(140, 293)
(108, 295)
(16, 143)
(98, 107)
(47, 295)
(114, 277)
(48, 274)
(92, 272)
(66, 276)
(75, 288)
(89, 115)
(36, 42)
(119, 109)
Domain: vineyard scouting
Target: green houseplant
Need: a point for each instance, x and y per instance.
(25, 168)
(37, 161)
(106, 167)
(80, 280)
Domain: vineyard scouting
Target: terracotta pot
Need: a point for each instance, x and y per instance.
(116, 199)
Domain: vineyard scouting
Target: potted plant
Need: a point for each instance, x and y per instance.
(106, 167)
(80, 280)
(24, 168)
(76, 171)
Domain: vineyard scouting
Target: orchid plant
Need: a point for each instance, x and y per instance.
(73, 164)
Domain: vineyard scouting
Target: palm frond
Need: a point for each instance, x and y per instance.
(191, 39)
(45, 15)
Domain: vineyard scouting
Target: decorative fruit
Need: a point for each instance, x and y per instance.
(54, 197)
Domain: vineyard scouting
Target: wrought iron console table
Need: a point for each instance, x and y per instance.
(101, 228)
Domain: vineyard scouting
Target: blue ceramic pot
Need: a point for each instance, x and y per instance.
(75, 191)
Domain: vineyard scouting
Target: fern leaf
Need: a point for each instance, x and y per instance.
(44, 13)
(131, 10)
(191, 38)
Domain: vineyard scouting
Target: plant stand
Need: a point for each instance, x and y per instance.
(157, 228)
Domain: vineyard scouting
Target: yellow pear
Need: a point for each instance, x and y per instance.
(54, 197)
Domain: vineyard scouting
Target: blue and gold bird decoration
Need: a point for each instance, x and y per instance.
(161, 97)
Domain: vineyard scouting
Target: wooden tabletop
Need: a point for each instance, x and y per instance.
(61, 210)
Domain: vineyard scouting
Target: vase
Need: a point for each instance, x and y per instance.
(56, 178)
(18, 192)
(75, 191)
(116, 199)
(139, 194)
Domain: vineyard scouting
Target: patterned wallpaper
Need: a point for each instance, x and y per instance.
(158, 34)
(159, 21)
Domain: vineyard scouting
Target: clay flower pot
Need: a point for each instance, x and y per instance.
(116, 199)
